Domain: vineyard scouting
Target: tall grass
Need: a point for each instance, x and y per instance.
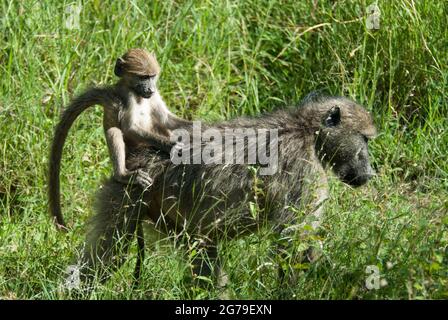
(222, 59)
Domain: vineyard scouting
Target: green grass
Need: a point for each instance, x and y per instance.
(222, 59)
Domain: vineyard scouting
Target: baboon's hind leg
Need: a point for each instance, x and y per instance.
(140, 253)
(111, 230)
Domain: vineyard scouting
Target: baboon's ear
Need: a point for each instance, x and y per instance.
(333, 117)
(119, 67)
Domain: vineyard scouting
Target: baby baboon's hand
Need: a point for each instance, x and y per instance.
(177, 146)
(138, 177)
(142, 178)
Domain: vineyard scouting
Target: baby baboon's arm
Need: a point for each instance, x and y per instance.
(117, 151)
(159, 142)
(173, 122)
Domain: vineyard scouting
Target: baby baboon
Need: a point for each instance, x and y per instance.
(134, 115)
(212, 201)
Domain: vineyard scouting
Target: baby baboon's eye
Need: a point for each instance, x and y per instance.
(145, 77)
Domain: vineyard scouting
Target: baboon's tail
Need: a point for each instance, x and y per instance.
(102, 96)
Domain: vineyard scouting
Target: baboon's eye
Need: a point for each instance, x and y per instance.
(333, 117)
(366, 140)
(145, 77)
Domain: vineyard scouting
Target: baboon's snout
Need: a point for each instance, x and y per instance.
(145, 91)
(357, 179)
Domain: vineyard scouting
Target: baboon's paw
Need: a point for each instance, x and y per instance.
(143, 179)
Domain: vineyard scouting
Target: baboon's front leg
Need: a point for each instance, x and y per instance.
(205, 264)
(292, 229)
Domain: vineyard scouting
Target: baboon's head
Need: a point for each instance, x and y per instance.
(139, 70)
(344, 129)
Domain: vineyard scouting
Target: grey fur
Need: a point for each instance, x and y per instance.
(210, 202)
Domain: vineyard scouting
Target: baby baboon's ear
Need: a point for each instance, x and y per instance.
(333, 117)
(119, 70)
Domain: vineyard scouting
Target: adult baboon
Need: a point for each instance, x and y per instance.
(212, 201)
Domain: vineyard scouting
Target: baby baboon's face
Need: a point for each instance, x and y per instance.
(343, 147)
(144, 85)
(140, 70)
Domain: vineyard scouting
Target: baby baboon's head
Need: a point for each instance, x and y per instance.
(139, 70)
(342, 137)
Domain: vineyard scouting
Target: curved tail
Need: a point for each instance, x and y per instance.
(102, 96)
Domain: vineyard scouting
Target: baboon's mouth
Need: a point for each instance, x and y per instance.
(146, 95)
(356, 180)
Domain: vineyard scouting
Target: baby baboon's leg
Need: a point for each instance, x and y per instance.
(111, 229)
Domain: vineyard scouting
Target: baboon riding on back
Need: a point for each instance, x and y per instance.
(212, 201)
